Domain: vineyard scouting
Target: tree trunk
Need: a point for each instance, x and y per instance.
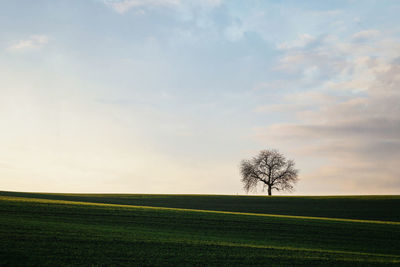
(269, 190)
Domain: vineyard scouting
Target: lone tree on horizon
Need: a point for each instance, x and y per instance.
(270, 168)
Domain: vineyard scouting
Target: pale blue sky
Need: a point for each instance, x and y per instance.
(167, 96)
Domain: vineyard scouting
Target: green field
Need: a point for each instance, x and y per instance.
(76, 229)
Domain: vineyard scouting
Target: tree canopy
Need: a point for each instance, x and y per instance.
(270, 168)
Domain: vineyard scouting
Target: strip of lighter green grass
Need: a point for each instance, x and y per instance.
(380, 208)
(39, 200)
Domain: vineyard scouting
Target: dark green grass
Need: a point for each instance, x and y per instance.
(386, 208)
(47, 232)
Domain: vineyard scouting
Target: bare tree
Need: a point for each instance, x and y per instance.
(270, 168)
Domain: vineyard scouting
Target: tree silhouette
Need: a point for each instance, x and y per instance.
(270, 168)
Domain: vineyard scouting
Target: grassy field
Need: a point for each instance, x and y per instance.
(66, 229)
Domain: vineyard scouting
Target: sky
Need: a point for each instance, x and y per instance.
(168, 96)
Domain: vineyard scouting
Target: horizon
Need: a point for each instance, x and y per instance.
(200, 194)
(168, 96)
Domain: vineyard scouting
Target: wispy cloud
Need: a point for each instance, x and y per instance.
(302, 41)
(365, 35)
(122, 6)
(31, 43)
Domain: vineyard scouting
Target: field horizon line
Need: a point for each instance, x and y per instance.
(199, 194)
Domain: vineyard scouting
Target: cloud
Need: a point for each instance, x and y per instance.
(122, 6)
(34, 42)
(365, 35)
(312, 60)
(302, 41)
(303, 101)
(349, 120)
(189, 21)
